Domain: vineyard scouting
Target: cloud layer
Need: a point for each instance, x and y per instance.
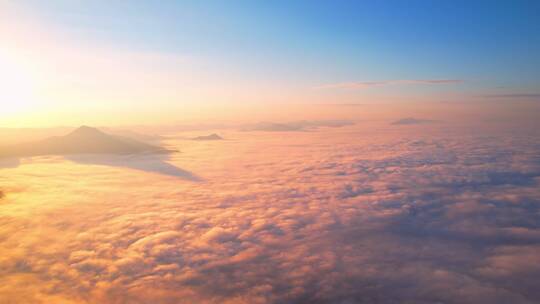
(342, 215)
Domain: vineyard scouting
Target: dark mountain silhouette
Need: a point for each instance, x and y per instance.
(84, 140)
(213, 136)
(412, 121)
(302, 125)
(272, 127)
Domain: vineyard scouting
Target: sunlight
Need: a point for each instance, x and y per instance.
(269, 152)
(17, 85)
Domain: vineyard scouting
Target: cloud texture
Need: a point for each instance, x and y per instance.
(342, 215)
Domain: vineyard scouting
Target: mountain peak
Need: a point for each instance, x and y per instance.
(212, 136)
(83, 140)
(412, 121)
(86, 131)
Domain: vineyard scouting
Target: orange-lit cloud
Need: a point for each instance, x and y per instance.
(339, 214)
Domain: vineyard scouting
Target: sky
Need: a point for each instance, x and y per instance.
(121, 62)
(138, 61)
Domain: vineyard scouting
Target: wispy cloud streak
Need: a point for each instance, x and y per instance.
(518, 95)
(370, 84)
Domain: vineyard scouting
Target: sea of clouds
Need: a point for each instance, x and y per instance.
(414, 214)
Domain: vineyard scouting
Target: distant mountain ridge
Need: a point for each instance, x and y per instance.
(412, 121)
(302, 125)
(84, 140)
(212, 136)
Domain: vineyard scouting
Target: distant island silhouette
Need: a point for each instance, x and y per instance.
(412, 121)
(213, 136)
(84, 140)
(272, 127)
(302, 125)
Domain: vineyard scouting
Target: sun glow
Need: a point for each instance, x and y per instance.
(18, 85)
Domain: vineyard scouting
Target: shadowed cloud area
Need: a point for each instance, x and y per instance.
(148, 163)
(335, 216)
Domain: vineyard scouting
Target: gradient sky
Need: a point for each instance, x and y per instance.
(371, 152)
(74, 57)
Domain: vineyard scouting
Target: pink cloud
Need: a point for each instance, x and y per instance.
(356, 217)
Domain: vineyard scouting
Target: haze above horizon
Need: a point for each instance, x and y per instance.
(141, 62)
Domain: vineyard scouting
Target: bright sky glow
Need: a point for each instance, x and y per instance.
(90, 59)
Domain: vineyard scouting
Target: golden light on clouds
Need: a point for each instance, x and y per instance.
(325, 208)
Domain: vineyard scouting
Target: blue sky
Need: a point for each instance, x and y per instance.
(493, 41)
(318, 51)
